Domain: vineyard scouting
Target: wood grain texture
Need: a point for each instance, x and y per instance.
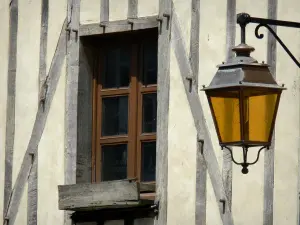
(199, 121)
(201, 170)
(97, 195)
(10, 103)
(32, 197)
(230, 42)
(132, 9)
(84, 142)
(201, 178)
(38, 128)
(163, 92)
(269, 154)
(104, 11)
(118, 26)
(71, 97)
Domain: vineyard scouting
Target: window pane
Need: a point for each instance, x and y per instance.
(148, 161)
(117, 68)
(149, 113)
(114, 115)
(114, 162)
(150, 63)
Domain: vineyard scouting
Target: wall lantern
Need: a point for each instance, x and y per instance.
(244, 97)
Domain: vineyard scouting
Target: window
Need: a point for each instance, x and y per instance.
(124, 107)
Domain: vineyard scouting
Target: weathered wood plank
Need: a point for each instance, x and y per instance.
(200, 122)
(201, 170)
(71, 100)
(132, 9)
(38, 128)
(269, 154)
(163, 92)
(147, 187)
(10, 103)
(84, 142)
(104, 11)
(33, 177)
(97, 195)
(118, 26)
(201, 178)
(230, 42)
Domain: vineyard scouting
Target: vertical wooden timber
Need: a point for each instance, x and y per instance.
(132, 9)
(10, 104)
(201, 177)
(73, 19)
(163, 91)
(269, 154)
(33, 177)
(230, 42)
(201, 170)
(200, 122)
(84, 141)
(104, 10)
(37, 131)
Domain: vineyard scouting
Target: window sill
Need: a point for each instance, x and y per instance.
(105, 195)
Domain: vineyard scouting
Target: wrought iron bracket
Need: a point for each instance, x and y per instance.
(245, 164)
(243, 19)
(155, 208)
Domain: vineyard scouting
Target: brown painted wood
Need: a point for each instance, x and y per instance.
(134, 93)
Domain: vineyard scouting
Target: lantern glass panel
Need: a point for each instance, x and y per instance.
(259, 110)
(226, 111)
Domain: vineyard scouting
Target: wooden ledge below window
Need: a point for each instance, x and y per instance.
(105, 195)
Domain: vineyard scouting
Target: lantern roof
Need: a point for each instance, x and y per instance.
(243, 71)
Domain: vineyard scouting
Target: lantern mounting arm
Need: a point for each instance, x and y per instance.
(243, 19)
(245, 164)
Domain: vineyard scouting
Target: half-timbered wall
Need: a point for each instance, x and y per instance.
(33, 38)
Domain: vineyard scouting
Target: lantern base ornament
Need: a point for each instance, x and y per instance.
(245, 164)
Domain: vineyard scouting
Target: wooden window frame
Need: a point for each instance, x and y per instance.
(135, 92)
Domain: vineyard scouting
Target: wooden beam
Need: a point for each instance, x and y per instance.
(71, 100)
(91, 196)
(37, 131)
(84, 121)
(269, 154)
(163, 92)
(200, 122)
(132, 9)
(230, 42)
(201, 170)
(201, 180)
(10, 103)
(32, 197)
(104, 11)
(118, 26)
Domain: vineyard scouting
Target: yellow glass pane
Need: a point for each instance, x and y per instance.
(227, 116)
(258, 117)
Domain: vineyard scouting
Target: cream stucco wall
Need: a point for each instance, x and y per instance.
(247, 189)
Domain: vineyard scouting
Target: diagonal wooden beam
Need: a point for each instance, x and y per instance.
(200, 123)
(10, 103)
(38, 128)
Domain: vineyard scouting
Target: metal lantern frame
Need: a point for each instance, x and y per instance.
(241, 73)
